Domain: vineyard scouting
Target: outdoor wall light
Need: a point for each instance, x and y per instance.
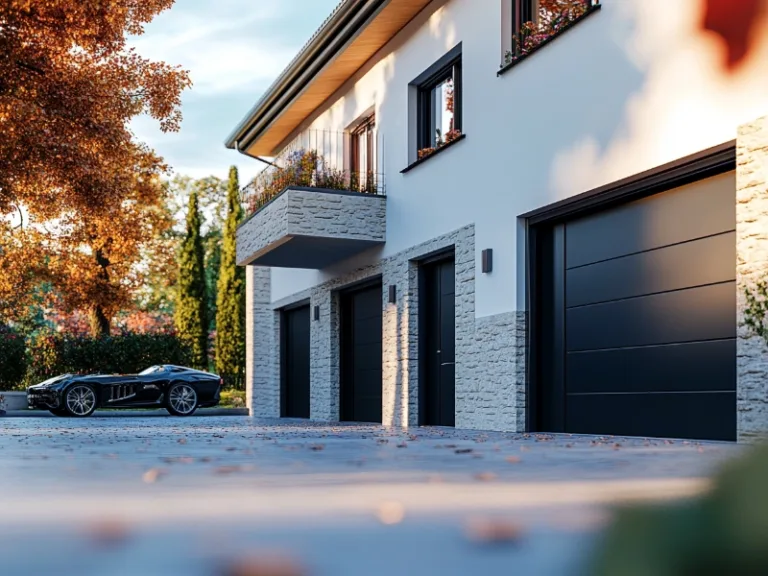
(487, 261)
(317, 313)
(392, 294)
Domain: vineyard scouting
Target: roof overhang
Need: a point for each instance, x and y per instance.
(350, 37)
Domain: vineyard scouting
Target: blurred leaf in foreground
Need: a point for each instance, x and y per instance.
(723, 532)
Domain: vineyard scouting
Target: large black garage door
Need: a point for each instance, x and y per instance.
(295, 363)
(361, 351)
(640, 337)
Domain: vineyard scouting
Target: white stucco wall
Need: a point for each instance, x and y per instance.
(632, 87)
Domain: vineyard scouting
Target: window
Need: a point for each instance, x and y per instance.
(533, 22)
(152, 370)
(439, 108)
(362, 161)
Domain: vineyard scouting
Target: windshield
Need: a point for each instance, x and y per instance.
(151, 370)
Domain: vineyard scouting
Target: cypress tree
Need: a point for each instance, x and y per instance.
(191, 315)
(230, 298)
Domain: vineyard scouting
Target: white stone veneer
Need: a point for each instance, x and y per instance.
(490, 351)
(307, 212)
(751, 266)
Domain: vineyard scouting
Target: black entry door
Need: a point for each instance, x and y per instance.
(295, 363)
(361, 350)
(638, 305)
(438, 309)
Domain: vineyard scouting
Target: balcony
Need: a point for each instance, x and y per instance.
(309, 209)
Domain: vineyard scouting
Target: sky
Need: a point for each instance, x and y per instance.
(233, 50)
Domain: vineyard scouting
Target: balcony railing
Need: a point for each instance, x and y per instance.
(316, 159)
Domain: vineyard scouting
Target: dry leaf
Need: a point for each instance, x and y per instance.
(493, 531)
(486, 476)
(153, 475)
(109, 532)
(264, 566)
(391, 513)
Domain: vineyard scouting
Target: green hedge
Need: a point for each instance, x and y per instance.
(52, 354)
(13, 359)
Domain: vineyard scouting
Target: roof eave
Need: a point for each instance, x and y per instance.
(331, 27)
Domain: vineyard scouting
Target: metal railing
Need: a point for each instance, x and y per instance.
(316, 159)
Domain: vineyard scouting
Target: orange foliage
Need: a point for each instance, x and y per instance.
(77, 193)
(735, 23)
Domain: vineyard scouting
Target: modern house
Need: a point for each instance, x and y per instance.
(462, 225)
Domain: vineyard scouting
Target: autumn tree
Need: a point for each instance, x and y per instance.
(230, 305)
(74, 184)
(191, 314)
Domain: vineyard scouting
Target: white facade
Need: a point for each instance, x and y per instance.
(633, 86)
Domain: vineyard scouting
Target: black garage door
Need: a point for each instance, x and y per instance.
(295, 363)
(361, 350)
(640, 337)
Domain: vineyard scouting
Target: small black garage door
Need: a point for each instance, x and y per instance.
(640, 337)
(295, 363)
(361, 350)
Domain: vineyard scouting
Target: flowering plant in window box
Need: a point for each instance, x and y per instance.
(450, 136)
(554, 16)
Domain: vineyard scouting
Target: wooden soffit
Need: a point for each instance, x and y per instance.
(392, 18)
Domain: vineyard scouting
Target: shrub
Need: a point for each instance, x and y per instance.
(13, 360)
(128, 353)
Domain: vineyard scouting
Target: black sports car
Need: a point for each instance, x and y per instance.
(179, 390)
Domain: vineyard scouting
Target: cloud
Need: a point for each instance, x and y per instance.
(233, 49)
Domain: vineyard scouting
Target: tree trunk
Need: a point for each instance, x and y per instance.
(100, 324)
(99, 321)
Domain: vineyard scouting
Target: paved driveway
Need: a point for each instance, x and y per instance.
(150, 496)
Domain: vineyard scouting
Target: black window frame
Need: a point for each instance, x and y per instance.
(449, 66)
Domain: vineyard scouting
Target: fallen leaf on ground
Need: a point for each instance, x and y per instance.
(486, 476)
(109, 532)
(264, 566)
(391, 513)
(153, 475)
(228, 469)
(493, 531)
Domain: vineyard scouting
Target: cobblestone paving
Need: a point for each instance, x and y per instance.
(166, 496)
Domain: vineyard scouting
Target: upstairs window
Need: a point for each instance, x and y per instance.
(534, 22)
(439, 104)
(362, 160)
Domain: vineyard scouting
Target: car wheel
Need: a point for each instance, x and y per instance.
(182, 399)
(80, 401)
(58, 412)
